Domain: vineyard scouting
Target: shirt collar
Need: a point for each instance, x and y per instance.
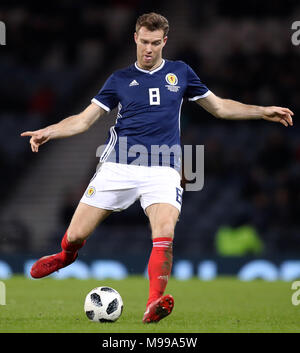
(150, 71)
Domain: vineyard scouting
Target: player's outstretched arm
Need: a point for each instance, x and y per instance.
(230, 109)
(70, 126)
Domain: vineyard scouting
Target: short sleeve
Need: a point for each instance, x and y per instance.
(107, 97)
(195, 88)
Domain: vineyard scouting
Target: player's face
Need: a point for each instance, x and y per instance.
(149, 45)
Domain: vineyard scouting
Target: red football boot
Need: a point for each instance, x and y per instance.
(159, 309)
(49, 264)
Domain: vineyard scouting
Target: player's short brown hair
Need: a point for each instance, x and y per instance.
(152, 21)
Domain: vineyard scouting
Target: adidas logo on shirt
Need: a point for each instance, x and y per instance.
(133, 83)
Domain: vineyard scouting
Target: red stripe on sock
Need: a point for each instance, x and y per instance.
(162, 239)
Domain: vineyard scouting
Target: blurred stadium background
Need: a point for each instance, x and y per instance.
(55, 60)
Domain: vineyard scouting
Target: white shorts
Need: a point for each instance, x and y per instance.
(117, 186)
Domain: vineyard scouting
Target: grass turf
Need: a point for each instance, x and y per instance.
(221, 305)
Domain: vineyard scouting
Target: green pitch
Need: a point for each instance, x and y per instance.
(222, 305)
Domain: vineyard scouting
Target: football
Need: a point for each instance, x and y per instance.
(103, 304)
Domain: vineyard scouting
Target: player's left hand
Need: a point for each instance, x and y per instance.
(279, 115)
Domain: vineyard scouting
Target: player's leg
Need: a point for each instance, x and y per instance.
(163, 218)
(84, 221)
(161, 199)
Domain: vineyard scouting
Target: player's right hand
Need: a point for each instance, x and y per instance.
(38, 138)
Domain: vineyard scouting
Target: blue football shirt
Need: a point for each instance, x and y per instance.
(147, 127)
